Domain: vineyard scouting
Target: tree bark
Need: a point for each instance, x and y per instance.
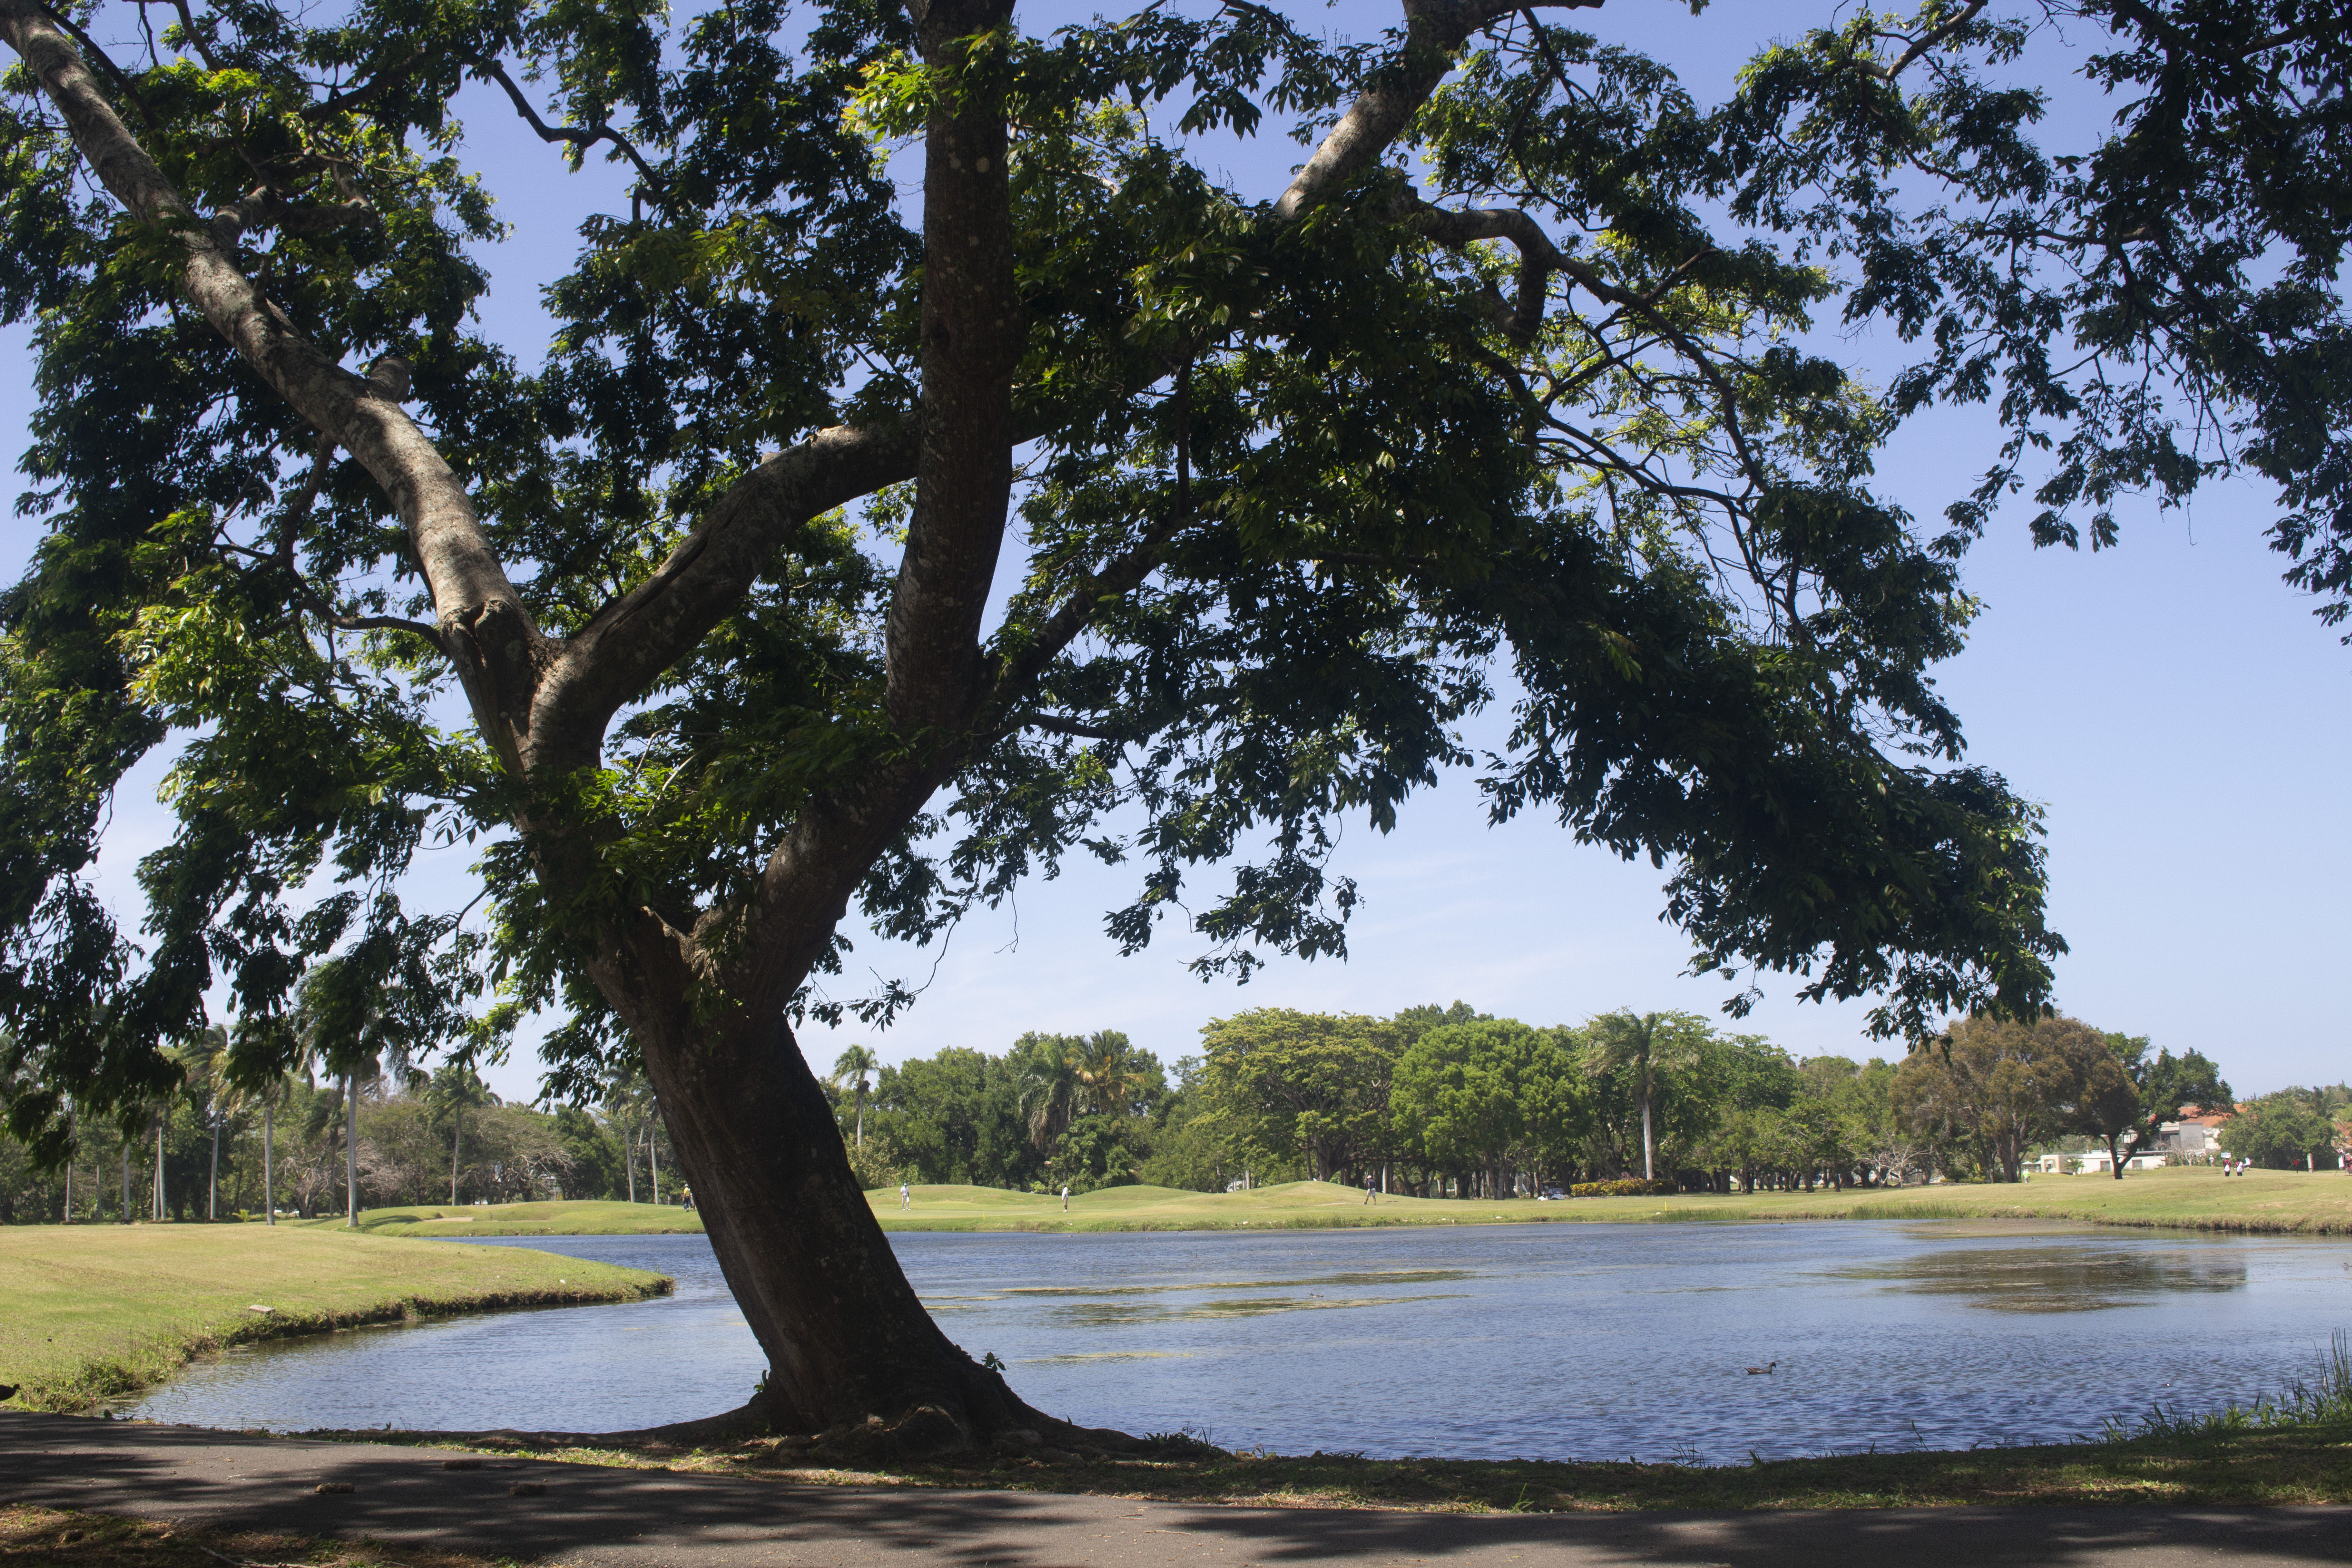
(270, 1160)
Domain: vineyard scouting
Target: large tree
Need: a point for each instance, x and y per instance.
(706, 626)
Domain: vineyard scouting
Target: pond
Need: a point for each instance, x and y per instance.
(1554, 1340)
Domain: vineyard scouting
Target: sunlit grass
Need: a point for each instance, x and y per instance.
(94, 1311)
(2192, 1197)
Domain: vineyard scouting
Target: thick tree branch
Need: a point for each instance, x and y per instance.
(632, 640)
(490, 638)
(971, 342)
(1434, 29)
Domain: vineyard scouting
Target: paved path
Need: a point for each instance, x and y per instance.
(641, 1519)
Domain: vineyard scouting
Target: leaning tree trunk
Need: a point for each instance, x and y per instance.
(846, 1336)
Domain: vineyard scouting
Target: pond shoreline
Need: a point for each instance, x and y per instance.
(102, 1312)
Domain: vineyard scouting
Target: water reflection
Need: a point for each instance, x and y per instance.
(1584, 1341)
(2058, 1277)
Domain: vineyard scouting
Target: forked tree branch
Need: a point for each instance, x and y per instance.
(490, 638)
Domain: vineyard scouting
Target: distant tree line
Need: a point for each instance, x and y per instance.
(442, 1138)
(1449, 1102)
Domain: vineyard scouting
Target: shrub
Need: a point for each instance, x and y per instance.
(1629, 1188)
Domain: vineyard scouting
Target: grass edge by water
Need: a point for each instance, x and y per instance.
(136, 1347)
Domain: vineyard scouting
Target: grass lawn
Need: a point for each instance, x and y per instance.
(2191, 1196)
(97, 1311)
(576, 1217)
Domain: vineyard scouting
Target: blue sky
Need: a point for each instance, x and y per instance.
(2174, 705)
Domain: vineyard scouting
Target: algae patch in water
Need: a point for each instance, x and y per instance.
(1110, 1314)
(1358, 1277)
(2059, 1279)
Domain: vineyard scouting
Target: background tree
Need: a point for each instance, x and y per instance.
(2283, 1132)
(1651, 1047)
(1306, 1086)
(455, 1089)
(853, 1070)
(2125, 1095)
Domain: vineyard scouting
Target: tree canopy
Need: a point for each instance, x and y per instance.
(854, 549)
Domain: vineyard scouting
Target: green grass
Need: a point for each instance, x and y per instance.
(95, 1312)
(572, 1217)
(2190, 1196)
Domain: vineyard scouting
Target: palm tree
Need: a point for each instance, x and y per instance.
(1046, 1089)
(1653, 1044)
(455, 1090)
(204, 1060)
(265, 1055)
(855, 1068)
(1109, 1071)
(343, 1016)
(630, 1101)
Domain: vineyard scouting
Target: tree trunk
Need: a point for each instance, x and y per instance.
(212, 1187)
(350, 1150)
(1648, 1172)
(270, 1160)
(457, 1139)
(126, 1181)
(629, 1162)
(158, 1213)
(846, 1336)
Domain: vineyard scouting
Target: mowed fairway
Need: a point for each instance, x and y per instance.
(582, 1216)
(2196, 1197)
(89, 1312)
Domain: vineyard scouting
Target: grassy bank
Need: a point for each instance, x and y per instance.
(2284, 1202)
(2192, 1197)
(95, 1312)
(578, 1218)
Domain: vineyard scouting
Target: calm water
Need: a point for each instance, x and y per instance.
(1558, 1340)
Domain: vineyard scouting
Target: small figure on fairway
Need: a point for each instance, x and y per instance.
(1369, 1185)
(906, 1196)
(1065, 1197)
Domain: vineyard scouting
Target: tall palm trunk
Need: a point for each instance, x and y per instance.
(126, 1180)
(270, 1160)
(1649, 1172)
(350, 1151)
(456, 1140)
(629, 1162)
(212, 1187)
(159, 1165)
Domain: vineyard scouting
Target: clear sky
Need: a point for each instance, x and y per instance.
(2175, 706)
